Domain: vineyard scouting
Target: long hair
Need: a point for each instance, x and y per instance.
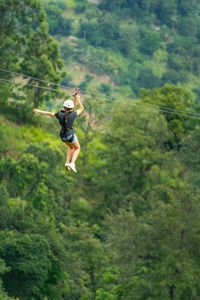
(67, 114)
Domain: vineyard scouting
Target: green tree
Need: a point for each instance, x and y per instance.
(16, 20)
(127, 39)
(165, 10)
(3, 269)
(105, 88)
(157, 254)
(150, 41)
(107, 28)
(178, 63)
(66, 50)
(86, 249)
(89, 135)
(20, 224)
(175, 98)
(132, 143)
(173, 77)
(42, 59)
(114, 5)
(187, 7)
(190, 158)
(146, 79)
(3, 143)
(134, 8)
(27, 47)
(81, 6)
(57, 23)
(27, 257)
(188, 26)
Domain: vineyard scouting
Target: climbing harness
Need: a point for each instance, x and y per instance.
(66, 119)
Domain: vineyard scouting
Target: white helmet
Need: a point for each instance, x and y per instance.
(68, 104)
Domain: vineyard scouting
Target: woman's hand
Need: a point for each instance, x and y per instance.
(37, 111)
(77, 98)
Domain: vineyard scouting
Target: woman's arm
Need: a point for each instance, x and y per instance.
(81, 108)
(37, 111)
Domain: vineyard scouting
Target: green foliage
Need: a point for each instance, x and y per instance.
(137, 29)
(156, 260)
(165, 11)
(27, 257)
(134, 8)
(190, 152)
(173, 77)
(108, 31)
(66, 50)
(126, 226)
(62, 4)
(42, 60)
(146, 79)
(26, 47)
(45, 153)
(105, 88)
(81, 6)
(150, 42)
(175, 98)
(102, 62)
(134, 141)
(3, 145)
(81, 241)
(57, 23)
(103, 295)
(188, 26)
(3, 269)
(14, 35)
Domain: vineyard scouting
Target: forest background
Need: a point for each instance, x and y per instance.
(127, 225)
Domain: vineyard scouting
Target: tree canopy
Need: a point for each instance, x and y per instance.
(126, 226)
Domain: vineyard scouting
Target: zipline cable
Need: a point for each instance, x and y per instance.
(89, 93)
(151, 107)
(155, 107)
(37, 79)
(28, 84)
(167, 111)
(144, 105)
(175, 111)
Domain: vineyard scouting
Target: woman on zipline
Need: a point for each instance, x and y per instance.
(66, 119)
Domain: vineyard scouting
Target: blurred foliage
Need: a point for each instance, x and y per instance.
(134, 32)
(128, 218)
(26, 47)
(126, 226)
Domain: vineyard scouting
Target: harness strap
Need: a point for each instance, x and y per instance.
(67, 129)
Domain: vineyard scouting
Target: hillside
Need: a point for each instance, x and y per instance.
(127, 44)
(126, 225)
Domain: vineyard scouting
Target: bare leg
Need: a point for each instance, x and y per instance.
(77, 149)
(69, 152)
